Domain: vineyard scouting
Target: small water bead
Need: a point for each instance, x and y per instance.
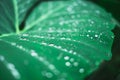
(74, 53)
(66, 57)
(71, 51)
(81, 70)
(59, 47)
(50, 30)
(43, 43)
(96, 35)
(2, 58)
(75, 64)
(65, 50)
(97, 11)
(91, 37)
(88, 35)
(97, 63)
(12, 43)
(33, 53)
(112, 37)
(49, 75)
(39, 29)
(20, 47)
(68, 64)
(71, 59)
(69, 9)
(51, 66)
(89, 30)
(25, 35)
(51, 45)
(61, 23)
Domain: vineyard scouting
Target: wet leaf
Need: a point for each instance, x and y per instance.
(12, 12)
(62, 40)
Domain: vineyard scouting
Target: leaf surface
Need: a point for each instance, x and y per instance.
(12, 13)
(63, 40)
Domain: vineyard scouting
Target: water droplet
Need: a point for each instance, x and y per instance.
(88, 35)
(66, 57)
(97, 11)
(74, 53)
(89, 30)
(51, 44)
(25, 35)
(96, 35)
(61, 23)
(67, 63)
(13, 43)
(49, 75)
(43, 43)
(52, 67)
(71, 60)
(50, 30)
(1, 58)
(75, 63)
(71, 51)
(33, 53)
(81, 70)
(69, 9)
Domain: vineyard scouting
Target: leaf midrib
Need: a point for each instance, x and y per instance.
(16, 16)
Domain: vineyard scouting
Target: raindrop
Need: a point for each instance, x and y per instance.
(67, 63)
(66, 57)
(13, 43)
(81, 70)
(69, 9)
(1, 58)
(33, 53)
(49, 75)
(97, 11)
(50, 30)
(96, 35)
(71, 51)
(25, 35)
(74, 53)
(52, 67)
(71, 60)
(61, 23)
(51, 44)
(75, 63)
(89, 30)
(88, 35)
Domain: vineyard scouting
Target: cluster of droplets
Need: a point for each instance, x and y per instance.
(11, 67)
(34, 54)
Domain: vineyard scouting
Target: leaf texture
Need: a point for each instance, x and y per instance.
(62, 40)
(12, 13)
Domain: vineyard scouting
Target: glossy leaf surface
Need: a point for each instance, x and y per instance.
(63, 40)
(12, 12)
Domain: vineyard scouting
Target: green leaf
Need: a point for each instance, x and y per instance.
(12, 13)
(62, 40)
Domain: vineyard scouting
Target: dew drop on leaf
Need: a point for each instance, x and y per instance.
(81, 70)
(68, 64)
